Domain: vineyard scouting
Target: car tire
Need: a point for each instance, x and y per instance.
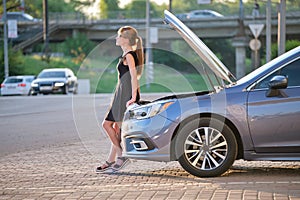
(206, 147)
(30, 92)
(75, 89)
(66, 89)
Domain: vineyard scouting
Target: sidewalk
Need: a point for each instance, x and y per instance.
(67, 172)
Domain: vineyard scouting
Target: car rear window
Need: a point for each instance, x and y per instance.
(14, 80)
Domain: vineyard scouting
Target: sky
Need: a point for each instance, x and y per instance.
(94, 10)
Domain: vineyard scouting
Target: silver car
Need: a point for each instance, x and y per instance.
(254, 118)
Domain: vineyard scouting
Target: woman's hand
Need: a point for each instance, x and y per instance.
(131, 101)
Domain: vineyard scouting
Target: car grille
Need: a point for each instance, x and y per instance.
(46, 84)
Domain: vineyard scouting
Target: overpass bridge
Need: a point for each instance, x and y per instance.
(227, 27)
(100, 30)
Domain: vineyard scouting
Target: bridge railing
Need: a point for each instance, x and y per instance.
(58, 17)
(77, 17)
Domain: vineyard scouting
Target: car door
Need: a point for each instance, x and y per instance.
(274, 121)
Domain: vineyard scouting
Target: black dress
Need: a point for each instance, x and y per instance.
(123, 91)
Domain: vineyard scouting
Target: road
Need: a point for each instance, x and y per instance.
(50, 146)
(34, 122)
(29, 123)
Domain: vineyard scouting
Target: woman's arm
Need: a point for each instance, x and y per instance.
(134, 82)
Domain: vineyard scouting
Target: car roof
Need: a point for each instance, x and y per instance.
(21, 76)
(56, 69)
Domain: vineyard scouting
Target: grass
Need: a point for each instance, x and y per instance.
(103, 78)
(103, 75)
(34, 64)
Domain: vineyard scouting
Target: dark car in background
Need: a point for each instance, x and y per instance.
(56, 80)
(254, 118)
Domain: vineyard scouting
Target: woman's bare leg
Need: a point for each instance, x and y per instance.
(111, 130)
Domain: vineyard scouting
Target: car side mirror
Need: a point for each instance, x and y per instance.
(275, 84)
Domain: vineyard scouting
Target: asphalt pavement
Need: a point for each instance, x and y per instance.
(62, 166)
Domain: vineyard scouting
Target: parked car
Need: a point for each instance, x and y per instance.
(196, 14)
(20, 16)
(182, 16)
(17, 85)
(254, 118)
(57, 80)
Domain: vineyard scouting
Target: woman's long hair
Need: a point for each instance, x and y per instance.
(136, 41)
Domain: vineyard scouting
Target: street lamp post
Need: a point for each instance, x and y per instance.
(46, 29)
(268, 32)
(281, 27)
(149, 64)
(6, 67)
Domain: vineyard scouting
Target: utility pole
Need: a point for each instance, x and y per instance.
(149, 64)
(6, 67)
(46, 29)
(23, 6)
(170, 5)
(268, 31)
(240, 43)
(281, 27)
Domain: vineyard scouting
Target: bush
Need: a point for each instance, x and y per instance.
(290, 44)
(77, 47)
(15, 62)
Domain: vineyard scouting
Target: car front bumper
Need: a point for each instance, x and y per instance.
(148, 139)
(48, 89)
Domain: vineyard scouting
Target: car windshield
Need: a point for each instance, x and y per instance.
(14, 80)
(52, 74)
(29, 17)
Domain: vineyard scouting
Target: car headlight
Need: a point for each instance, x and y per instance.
(34, 85)
(59, 84)
(150, 110)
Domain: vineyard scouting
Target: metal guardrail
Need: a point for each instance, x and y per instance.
(79, 21)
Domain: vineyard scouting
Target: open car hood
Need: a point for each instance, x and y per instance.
(201, 49)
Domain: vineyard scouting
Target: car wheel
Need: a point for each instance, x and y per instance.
(30, 92)
(75, 89)
(206, 147)
(66, 89)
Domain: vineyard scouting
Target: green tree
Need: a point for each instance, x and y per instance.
(35, 7)
(137, 9)
(10, 5)
(15, 61)
(289, 45)
(77, 47)
(109, 9)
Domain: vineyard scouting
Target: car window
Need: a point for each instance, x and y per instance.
(52, 75)
(14, 80)
(291, 71)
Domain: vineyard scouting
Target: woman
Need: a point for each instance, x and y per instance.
(127, 92)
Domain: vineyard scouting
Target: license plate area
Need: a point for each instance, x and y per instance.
(45, 88)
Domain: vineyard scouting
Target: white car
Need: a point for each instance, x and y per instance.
(17, 85)
(196, 14)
